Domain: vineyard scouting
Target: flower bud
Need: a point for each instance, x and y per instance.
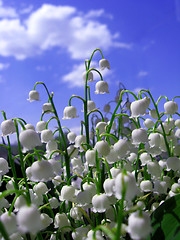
(90, 156)
(71, 137)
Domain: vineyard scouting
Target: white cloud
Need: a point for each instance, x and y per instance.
(7, 12)
(4, 66)
(142, 74)
(55, 26)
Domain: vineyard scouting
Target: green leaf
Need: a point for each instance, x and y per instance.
(165, 220)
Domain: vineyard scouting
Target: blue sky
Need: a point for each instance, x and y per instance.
(49, 40)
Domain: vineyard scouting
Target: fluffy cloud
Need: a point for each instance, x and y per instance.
(7, 12)
(4, 66)
(55, 26)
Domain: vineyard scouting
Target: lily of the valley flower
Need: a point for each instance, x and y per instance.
(70, 112)
(102, 87)
(29, 139)
(7, 127)
(104, 63)
(33, 96)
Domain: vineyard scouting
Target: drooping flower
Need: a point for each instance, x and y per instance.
(33, 96)
(47, 107)
(100, 203)
(29, 139)
(139, 136)
(102, 147)
(71, 137)
(101, 126)
(28, 219)
(127, 181)
(61, 221)
(104, 63)
(7, 127)
(102, 87)
(89, 78)
(70, 112)
(139, 107)
(170, 107)
(9, 222)
(90, 156)
(139, 225)
(45, 220)
(4, 168)
(121, 147)
(41, 171)
(80, 139)
(46, 135)
(41, 125)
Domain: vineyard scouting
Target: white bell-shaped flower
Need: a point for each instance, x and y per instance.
(146, 186)
(112, 157)
(102, 87)
(33, 96)
(139, 225)
(104, 63)
(72, 151)
(47, 107)
(71, 137)
(56, 166)
(90, 187)
(115, 171)
(29, 139)
(40, 126)
(70, 112)
(98, 235)
(61, 221)
(132, 157)
(100, 203)
(4, 168)
(139, 136)
(170, 107)
(46, 135)
(54, 203)
(28, 219)
(177, 123)
(121, 148)
(9, 222)
(45, 220)
(84, 199)
(173, 163)
(40, 188)
(7, 127)
(154, 169)
(153, 113)
(41, 171)
(175, 188)
(20, 202)
(148, 123)
(67, 193)
(101, 126)
(177, 133)
(79, 140)
(76, 213)
(90, 156)
(89, 76)
(160, 187)
(139, 107)
(80, 233)
(102, 147)
(154, 139)
(128, 181)
(90, 105)
(109, 186)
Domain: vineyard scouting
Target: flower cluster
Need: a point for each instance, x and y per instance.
(102, 184)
